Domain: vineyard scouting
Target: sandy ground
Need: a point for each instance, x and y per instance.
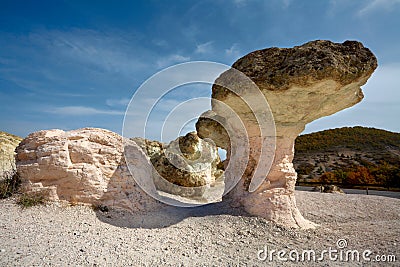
(212, 235)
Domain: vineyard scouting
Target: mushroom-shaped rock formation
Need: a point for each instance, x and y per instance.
(301, 84)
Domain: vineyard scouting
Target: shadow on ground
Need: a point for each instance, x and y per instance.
(124, 191)
(166, 216)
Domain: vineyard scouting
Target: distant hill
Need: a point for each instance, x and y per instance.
(8, 143)
(352, 155)
(355, 138)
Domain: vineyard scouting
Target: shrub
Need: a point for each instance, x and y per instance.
(9, 185)
(31, 199)
(327, 178)
(360, 176)
(305, 168)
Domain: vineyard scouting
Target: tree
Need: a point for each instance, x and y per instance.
(340, 175)
(360, 176)
(327, 178)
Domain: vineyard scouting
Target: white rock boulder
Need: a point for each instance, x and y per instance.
(82, 166)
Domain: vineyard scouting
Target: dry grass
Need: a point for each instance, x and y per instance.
(31, 199)
(9, 184)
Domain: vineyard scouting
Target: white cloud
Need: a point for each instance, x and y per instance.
(149, 109)
(240, 3)
(204, 48)
(374, 5)
(170, 60)
(169, 119)
(54, 61)
(113, 53)
(117, 102)
(383, 86)
(82, 111)
(160, 43)
(379, 108)
(286, 3)
(233, 52)
(182, 117)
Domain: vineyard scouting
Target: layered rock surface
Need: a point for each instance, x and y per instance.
(82, 166)
(188, 166)
(88, 166)
(8, 143)
(301, 84)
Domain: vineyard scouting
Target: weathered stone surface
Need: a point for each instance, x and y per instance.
(152, 149)
(190, 163)
(88, 166)
(301, 84)
(82, 166)
(213, 129)
(8, 143)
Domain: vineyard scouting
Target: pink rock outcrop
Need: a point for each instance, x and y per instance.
(301, 84)
(82, 166)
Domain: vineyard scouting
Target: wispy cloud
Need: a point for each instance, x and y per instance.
(240, 3)
(83, 111)
(375, 5)
(160, 43)
(167, 118)
(171, 59)
(233, 52)
(113, 53)
(55, 61)
(204, 48)
(286, 3)
(117, 102)
(376, 110)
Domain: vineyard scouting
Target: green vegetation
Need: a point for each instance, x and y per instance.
(9, 184)
(9, 179)
(31, 199)
(8, 143)
(10, 137)
(355, 138)
(384, 174)
(350, 155)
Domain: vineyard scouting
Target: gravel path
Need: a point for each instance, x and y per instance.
(212, 235)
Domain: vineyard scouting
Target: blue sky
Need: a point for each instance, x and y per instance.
(72, 64)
